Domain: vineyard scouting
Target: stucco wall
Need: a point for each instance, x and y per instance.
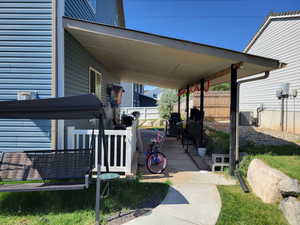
(271, 120)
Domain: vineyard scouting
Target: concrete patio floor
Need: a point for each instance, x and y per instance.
(193, 197)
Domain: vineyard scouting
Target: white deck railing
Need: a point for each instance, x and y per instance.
(146, 113)
(121, 144)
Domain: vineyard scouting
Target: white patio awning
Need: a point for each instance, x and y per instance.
(162, 61)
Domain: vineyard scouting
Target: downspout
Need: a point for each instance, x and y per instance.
(237, 155)
(267, 73)
(54, 73)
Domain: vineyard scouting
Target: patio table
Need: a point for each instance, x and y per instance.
(107, 177)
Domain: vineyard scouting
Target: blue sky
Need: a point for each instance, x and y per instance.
(224, 23)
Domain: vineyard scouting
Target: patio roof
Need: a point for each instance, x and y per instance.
(162, 61)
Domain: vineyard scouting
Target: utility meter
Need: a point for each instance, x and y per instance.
(294, 93)
(285, 89)
(279, 93)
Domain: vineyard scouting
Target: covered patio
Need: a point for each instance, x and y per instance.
(171, 63)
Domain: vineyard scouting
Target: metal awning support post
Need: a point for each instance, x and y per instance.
(98, 184)
(201, 112)
(187, 112)
(233, 120)
(187, 102)
(178, 103)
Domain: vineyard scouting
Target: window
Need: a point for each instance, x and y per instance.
(95, 82)
(141, 89)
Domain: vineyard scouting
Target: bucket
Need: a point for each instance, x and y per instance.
(201, 152)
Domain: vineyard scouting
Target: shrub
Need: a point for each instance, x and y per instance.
(166, 102)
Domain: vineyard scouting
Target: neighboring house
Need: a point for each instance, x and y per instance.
(146, 101)
(154, 93)
(39, 58)
(279, 38)
(131, 96)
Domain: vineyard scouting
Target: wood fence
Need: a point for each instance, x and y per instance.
(216, 104)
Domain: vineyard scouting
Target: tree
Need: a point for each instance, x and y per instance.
(221, 87)
(166, 102)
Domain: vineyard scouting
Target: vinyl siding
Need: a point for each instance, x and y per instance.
(280, 40)
(77, 64)
(79, 9)
(78, 60)
(107, 12)
(131, 97)
(25, 65)
(127, 99)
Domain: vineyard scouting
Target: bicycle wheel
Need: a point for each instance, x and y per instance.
(156, 162)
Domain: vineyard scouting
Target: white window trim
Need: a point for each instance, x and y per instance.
(97, 73)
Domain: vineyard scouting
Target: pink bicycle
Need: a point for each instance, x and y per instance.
(156, 161)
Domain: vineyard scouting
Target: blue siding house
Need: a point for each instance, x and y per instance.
(39, 59)
(132, 92)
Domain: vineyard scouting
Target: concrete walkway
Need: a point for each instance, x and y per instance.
(193, 197)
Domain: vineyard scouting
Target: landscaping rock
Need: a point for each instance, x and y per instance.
(148, 123)
(291, 209)
(289, 187)
(265, 181)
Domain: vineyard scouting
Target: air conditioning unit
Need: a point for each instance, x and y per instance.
(246, 119)
(26, 95)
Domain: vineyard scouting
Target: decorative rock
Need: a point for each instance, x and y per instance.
(148, 123)
(291, 209)
(265, 180)
(289, 187)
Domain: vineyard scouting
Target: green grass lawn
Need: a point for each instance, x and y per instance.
(217, 142)
(290, 165)
(74, 207)
(239, 208)
(284, 158)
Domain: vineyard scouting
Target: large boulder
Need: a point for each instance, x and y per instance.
(291, 209)
(289, 187)
(270, 184)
